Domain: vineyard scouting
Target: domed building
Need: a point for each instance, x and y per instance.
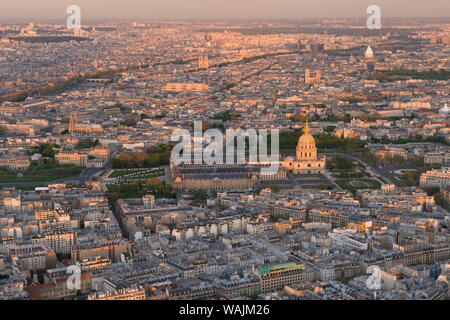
(369, 53)
(306, 160)
(369, 59)
(444, 110)
(308, 169)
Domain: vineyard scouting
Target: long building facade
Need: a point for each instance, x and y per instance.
(238, 177)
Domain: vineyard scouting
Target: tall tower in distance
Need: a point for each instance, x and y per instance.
(203, 62)
(309, 79)
(72, 122)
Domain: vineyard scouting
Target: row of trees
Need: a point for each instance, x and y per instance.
(419, 138)
(333, 118)
(345, 118)
(416, 139)
(138, 189)
(302, 118)
(227, 116)
(154, 157)
(392, 75)
(347, 184)
(132, 119)
(327, 141)
(339, 163)
(47, 150)
(87, 143)
(324, 141)
(412, 177)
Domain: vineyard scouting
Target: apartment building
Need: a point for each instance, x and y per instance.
(435, 178)
(121, 294)
(15, 164)
(33, 257)
(105, 249)
(59, 289)
(60, 242)
(74, 158)
(276, 277)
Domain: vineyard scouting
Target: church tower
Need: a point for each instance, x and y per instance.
(203, 62)
(72, 122)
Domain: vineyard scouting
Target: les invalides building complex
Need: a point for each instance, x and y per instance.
(306, 160)
(306, 172)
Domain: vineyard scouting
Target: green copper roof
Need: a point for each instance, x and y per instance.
(280, 267)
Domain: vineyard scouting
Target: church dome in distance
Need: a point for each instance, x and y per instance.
(444, 109)
(369, 53)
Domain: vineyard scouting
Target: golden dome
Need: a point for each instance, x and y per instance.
(306, 147)
(306, 139)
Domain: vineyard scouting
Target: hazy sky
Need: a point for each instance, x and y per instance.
(188, 9)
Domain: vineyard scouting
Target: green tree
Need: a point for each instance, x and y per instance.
(322, 186)
(200, 196)
(275, 188)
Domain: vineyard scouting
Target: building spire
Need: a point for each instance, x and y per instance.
(306, 126)
(72, 122)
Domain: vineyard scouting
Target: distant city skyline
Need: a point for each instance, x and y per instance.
(55, 10)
